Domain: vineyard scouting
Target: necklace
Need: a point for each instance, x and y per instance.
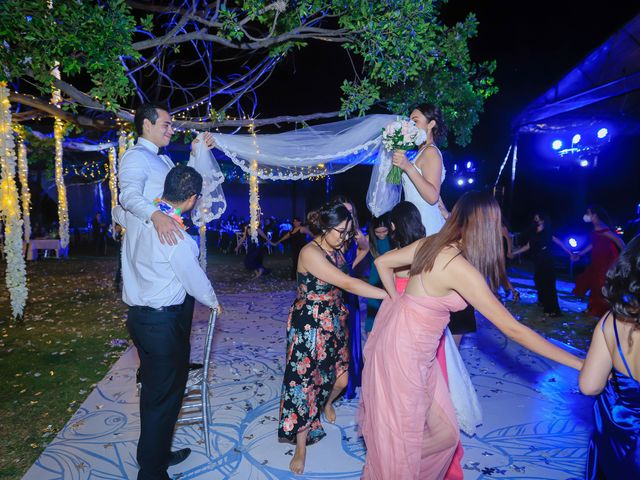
(167, 209)
(332, 254)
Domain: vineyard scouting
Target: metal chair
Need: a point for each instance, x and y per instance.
(197, 391)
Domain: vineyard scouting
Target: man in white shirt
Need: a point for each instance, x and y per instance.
(143, 170)
(159, 283)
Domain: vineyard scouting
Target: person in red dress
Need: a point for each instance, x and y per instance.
(605, 248)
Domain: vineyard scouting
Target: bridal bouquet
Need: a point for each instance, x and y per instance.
(401, 135)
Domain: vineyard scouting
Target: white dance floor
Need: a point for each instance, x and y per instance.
(536, 423)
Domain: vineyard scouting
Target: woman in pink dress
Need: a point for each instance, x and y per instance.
(407, 418)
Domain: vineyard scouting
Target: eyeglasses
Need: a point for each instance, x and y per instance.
(346, 234)
(198, 196)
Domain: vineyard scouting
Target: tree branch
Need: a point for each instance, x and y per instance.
(257, 122)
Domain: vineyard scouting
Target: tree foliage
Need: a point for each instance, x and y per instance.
(208, 59)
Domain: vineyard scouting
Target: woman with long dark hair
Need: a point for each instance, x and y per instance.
(605, 247)
(298, 238)
(317, 336)
(407, 418)
(612, 372)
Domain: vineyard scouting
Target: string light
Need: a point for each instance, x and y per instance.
(113, 181)
(63, 208)
(16, 274)
(203, 246)
(23, 175)
(254, 197)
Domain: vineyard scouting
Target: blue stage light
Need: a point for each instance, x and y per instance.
(584, 163)
(470, 180)
(460, 182)
(469, 165)
(576, 138)
(557, 144)
(573, 243)
(603, 132)
(455, 167)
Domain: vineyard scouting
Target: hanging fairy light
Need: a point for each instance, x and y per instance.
(203, 246)
(254, 197)
(16, 274)
(63, 208)
(23, 175)
(113, 177)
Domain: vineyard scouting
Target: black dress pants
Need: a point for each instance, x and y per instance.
(162, 340)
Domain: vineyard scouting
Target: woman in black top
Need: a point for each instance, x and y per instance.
(540, 241)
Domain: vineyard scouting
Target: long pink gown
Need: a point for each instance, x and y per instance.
(406, 416)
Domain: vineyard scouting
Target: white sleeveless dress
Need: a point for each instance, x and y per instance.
(463, 394)
(432, 218)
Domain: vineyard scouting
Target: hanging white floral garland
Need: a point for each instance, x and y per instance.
(16, 274)
(203, 246)
(25, 194)
(254, 197)
(63, 207)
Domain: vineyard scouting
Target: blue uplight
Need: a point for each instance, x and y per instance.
(573, 243)
(469, 165)
(576, 138)
(584, 163)
(460, 182)
(470, 180)
(603, 132)
(557, 144)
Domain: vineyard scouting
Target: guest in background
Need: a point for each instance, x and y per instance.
(298, 239)
(118, 237)
(99, 234)
(605, 247)
(379, 243)
(632, 229)
(612, 372)
(254, 258)
(539, 241)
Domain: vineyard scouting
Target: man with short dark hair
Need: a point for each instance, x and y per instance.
(160, 282)
(143, 169)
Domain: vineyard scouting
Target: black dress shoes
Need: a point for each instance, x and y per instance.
(179, 456)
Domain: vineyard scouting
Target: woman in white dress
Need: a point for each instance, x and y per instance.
(422, 178)
(421, 181)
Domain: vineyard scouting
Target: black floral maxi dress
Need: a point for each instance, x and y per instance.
(317, 354)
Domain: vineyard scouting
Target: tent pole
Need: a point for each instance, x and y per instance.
(512, 183)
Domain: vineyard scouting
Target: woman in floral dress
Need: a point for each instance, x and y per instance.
(317, 338)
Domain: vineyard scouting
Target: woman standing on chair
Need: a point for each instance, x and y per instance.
(317, 361)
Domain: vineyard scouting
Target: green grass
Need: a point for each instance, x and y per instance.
(50, 362)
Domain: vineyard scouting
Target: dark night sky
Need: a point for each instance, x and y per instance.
(534, 43)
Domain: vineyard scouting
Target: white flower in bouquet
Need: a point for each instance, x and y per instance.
(401, 135)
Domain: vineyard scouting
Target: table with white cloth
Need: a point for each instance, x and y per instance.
(36, 244)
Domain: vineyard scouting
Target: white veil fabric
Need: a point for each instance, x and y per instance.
(308, 152)
(312, 151)
(212, 204)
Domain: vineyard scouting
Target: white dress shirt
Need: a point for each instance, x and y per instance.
(159, 275)
(141, 178)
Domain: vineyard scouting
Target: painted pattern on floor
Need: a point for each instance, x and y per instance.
(536, 423)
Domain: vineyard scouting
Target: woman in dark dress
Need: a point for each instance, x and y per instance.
(540, 240)
(298, 238)
(255, 251)
(317, 359)
(612, 372)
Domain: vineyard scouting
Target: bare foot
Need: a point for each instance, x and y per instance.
(297, 462)
(330, 413)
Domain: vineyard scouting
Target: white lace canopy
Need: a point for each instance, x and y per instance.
(308, 152)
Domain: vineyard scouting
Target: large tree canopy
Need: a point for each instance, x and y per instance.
(208, 60)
